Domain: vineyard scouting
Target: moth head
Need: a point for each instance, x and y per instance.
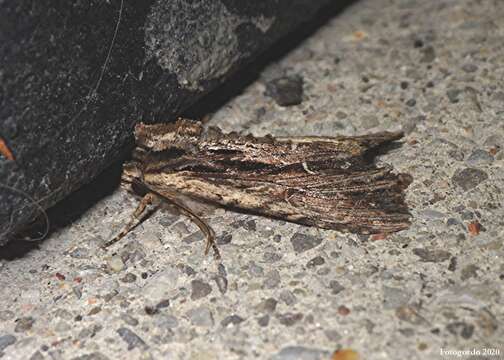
(160, 137)
(132, 177)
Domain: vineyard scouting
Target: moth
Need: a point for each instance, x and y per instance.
(327, 182)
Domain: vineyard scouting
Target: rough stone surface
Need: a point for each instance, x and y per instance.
(434, 286)
(75, 77)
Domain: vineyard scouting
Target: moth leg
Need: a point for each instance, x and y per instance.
(138, 216)
(204, 227)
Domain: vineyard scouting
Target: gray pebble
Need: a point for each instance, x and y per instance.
(429, 54)
(201, 316)
(494, 140)
(271, 257)
(434, 255)
(411, 102)
(470, 271)
(255, 270)
(289, 319)
(431, 214)
(301, 353)
(132, 339)
(453, 95)
(129, 278)
(394, 297)
(222, 283)
(461, 328)
(224, 238)
(130, 320)
(303, 242)
(263, 320)
(24, 324)
(286, 90)
(268, 305)
(469, 178)
(335, 287)
(166, 321)
(369, 121)
(199, 289)
(6, 315)
(6, 340)
(316, 261)
(272, 279)
(332, 335)
(479, 157)
(469, 68)
(37, 355)
(194, 237)
(288, 297)
(232, 320)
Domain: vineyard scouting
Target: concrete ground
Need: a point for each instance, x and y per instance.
(282, 291)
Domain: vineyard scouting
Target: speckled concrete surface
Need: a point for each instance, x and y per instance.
(284, 291)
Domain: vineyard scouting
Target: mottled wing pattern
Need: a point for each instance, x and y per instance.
(328, 182)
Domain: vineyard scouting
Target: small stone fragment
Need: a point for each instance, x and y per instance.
(199, 289)
(343, 310)
(263, 320)
(427, 255)
(129, 278)
(268, 305)
(6, 340)
(469, 178)
(222, 283)
(232, 320)
(453, 95)
(461, 329)
(289, 319)
(201, 316)
(316, 261)
(24, 324)
(132, 339)
(302, 242)
(474, 228)
(479, 157)
(286, 90)
(336, 287)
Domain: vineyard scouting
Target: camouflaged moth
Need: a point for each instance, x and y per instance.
(327, 182)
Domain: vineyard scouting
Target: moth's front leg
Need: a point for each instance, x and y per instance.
(138, 216)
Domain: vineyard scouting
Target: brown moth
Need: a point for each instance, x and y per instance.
(327, 182)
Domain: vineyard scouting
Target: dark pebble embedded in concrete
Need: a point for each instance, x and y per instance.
(469, 178)
(428, 255)
(286, 90)
(289, 319)
(199, 289)
(6, 340)
(469, 68)
(24, 324)
(263, 320)
(335, 287)
(461, 328)
(429, 54)
(224, 238)
(132, 339)
(411, 102)
(316, 261)
(453, 95)
(232, 320)
(267, 305)
(222, 283)
(129, 278)
(302, 242)
(479, 157)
